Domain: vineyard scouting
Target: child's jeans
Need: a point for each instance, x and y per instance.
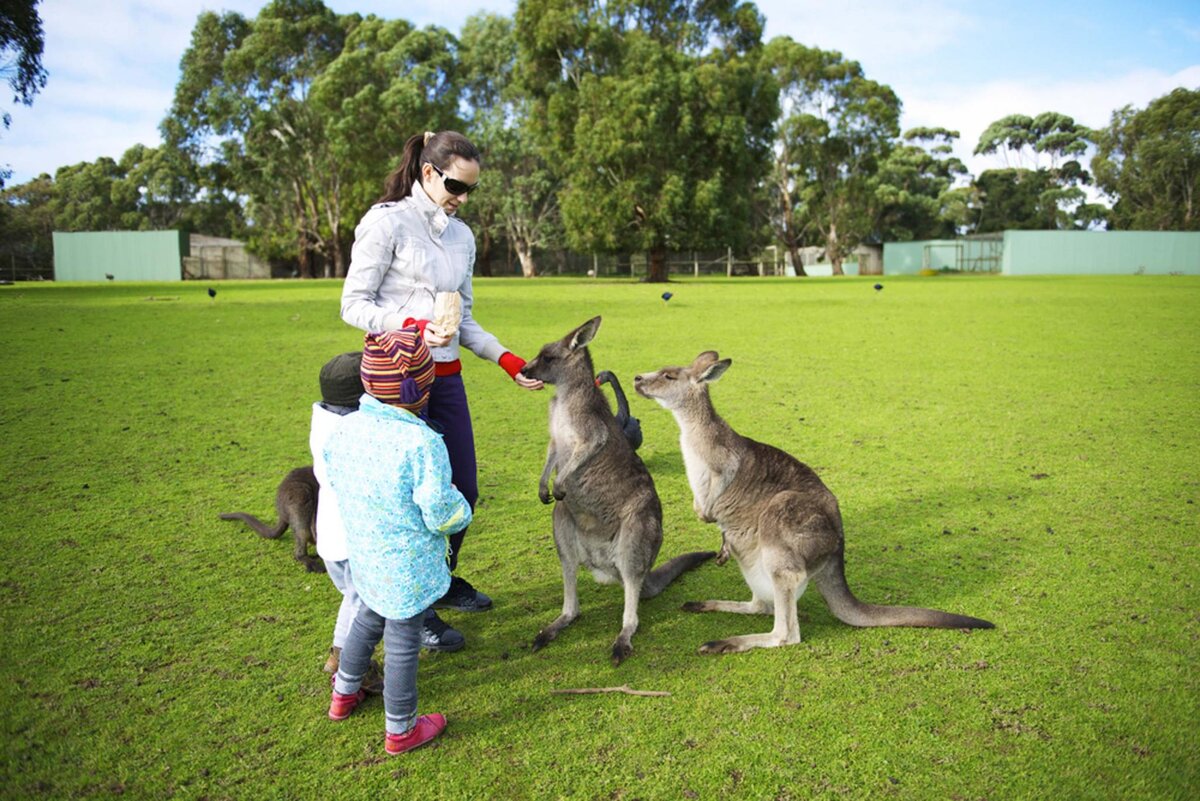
(339, 574)
(402, 644)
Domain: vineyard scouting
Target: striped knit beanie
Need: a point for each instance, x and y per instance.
(397, 368)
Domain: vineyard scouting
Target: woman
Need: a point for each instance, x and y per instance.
(407, 248)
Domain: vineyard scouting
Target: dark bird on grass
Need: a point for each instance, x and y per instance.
(109, 276)
(212, 293)
(630, 426)
(667, 296)
(878, 287)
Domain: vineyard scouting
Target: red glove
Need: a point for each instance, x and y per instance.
(511, 363)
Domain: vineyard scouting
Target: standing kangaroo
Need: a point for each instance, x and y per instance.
(777, 519)
(607, 517)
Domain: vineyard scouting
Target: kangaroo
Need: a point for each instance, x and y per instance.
(778, 520)
(607, 517)
(296, 505)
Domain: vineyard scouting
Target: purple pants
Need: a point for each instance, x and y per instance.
(448, 408)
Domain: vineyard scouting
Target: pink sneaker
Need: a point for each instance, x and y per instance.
(428, 727)
(340, 706)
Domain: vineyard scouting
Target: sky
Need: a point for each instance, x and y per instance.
(113, 64)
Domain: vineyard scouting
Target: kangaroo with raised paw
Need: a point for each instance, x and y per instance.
(777, 519)
(607, 517)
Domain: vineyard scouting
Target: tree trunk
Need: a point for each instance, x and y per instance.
(657, 271)
(305, 255)
(483, 259)
(339, 255)
(525, 256)
(831, 249)
(797, 259)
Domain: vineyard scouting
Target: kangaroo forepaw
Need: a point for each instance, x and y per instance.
(620, 651)
(313, 565)
(544, 495)
(559, 494)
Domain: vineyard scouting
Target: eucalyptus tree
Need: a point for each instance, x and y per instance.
(1041, 185)
(836, 131)
(83, 197)
(1148, 160)
(243, 99)
(518, 195)
(22, 41)
(158, 190)
(915, 194)
(657, 116)
(27, 226)
(307, 110)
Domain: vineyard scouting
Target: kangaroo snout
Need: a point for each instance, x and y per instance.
(642, 383)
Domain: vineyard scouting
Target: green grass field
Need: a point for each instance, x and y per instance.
(1023, 450)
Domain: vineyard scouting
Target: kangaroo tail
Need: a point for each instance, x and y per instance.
(848, 609)
(253, 522)
(668, 571)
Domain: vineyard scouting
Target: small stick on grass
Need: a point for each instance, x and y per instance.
(624, 688)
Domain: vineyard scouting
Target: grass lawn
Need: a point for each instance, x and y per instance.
(1019, 449)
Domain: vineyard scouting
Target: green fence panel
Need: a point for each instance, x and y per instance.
(125, 255)
(1058, 253)
(908, 258)
(1100, 253)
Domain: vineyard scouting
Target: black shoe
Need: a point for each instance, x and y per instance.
(437, 635)
(462, 597)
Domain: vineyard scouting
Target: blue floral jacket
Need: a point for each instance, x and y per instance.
(391, 474)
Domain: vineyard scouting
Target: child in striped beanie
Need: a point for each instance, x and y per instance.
(397, 369)
(391, 474)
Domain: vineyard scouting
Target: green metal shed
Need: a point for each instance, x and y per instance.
(1100, 252)
(125, 255)
(1052, 253)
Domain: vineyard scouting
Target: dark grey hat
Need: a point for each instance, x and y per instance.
(341, 380)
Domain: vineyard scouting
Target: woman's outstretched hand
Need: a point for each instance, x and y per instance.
(527, 383)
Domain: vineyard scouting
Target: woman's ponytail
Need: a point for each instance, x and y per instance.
(400, 182)
(439, 149)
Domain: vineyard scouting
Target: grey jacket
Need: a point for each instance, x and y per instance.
(404, 253)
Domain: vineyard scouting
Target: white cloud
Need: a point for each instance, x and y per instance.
(891, 31)
(970, 110)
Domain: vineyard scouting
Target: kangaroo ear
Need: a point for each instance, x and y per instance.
(581, 336)
(714, 371)
(704, 359)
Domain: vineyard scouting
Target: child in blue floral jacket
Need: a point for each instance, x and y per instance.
(391, 473)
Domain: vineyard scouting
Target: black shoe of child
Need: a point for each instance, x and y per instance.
(462, 597)
(437, 635)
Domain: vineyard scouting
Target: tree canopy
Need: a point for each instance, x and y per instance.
(21, 45)
(837, 129)
(614, 126)
(1149, 161)
(656, 115)
(1044, 190)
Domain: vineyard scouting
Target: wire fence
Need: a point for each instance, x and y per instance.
(219, 261)
(772, 261)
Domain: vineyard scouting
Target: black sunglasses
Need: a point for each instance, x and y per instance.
(453, 185)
